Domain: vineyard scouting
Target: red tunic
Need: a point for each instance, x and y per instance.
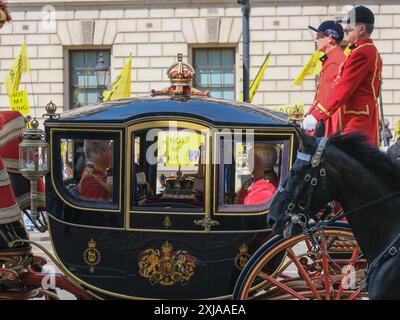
(330, 67)
(355, 94)
(259, 192)
(14, 125)
(9, 210)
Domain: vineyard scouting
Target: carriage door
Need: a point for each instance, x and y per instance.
(249, 165)
(169, 198)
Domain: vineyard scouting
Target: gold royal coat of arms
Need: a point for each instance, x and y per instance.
(166, 267)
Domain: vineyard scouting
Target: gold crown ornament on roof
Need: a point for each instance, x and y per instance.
(181, 75)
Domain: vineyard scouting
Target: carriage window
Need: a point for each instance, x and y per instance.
(87, 168)
(249, 174)
(168, 169)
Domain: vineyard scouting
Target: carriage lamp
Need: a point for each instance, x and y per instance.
(33, 161)
(102, 72)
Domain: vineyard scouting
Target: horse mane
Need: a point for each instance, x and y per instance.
(356, 146)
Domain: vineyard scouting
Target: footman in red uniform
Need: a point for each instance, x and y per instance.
(355, 96)
(329, 35)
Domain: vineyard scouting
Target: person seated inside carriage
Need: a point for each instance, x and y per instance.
(262, 184)
(96, 182)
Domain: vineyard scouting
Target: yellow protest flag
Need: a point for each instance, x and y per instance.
(19, 102)
(121, 87)
(256, 82)
(312, 68)
(13, 76)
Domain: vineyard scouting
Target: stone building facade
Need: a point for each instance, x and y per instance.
(155, 31)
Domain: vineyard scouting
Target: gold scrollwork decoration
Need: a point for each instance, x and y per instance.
(166, 267)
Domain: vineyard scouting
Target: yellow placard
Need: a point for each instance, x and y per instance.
(295, 111)
(19, 102)
(288, 108)
(183, 149)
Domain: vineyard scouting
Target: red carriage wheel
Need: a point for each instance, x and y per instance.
(325, 266)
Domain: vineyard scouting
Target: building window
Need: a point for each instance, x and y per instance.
(215, 71)
(83, 81)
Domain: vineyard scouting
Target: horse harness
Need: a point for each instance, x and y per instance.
(309, 225)
(315, 172)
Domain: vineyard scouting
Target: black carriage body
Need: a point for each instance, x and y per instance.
(131, 247)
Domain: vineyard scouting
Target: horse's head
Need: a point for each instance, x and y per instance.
(307, 191)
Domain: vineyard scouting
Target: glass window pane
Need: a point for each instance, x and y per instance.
(171, 176)
(80, 96)
(91, 58)
(106, 56)
(202, 77)
(216, 93)
(78, 59)
(216, 78)
(81, 78)
(92, 96)
(249, 173)
(228, 79)
(228, 58)
(75, 77)
(91, 79)
(201, 57)
(75, 100)
(214, 57)
(229, 95)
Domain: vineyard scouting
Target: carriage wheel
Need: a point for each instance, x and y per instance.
(328, 267)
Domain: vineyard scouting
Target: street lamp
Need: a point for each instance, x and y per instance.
(33, 163)
(102, 71)
(246, 48)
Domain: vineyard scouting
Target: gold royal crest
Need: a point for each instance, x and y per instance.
(92, 255)
(243, 256)
(166, 267)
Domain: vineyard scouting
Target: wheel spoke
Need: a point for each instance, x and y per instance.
(349, 267)
(308, 262)
(309, 245)
(355, 294)
(282, 286)
(303, 273)
(325, 266)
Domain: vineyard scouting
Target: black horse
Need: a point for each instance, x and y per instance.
(366, 183)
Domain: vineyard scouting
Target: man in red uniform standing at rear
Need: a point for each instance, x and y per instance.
(354, 98)
(329, 35)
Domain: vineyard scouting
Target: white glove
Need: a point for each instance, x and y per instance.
(309, 123)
